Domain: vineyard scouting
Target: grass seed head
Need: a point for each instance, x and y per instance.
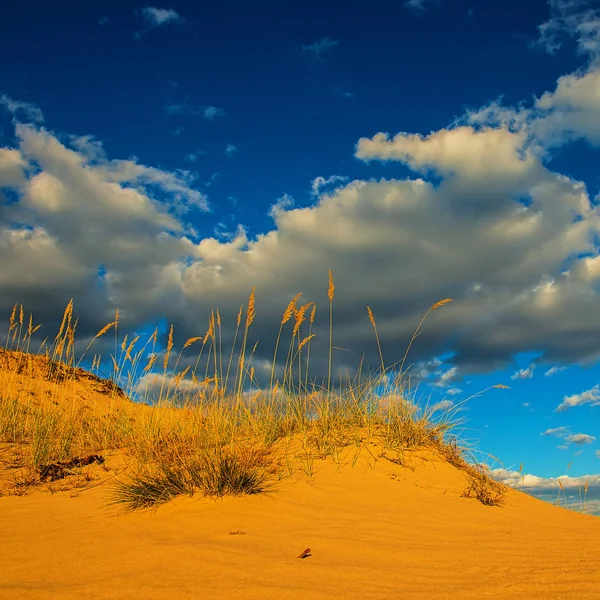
(441, 303)
(250, 312)
(291, 309)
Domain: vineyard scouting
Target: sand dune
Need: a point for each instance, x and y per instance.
(374, 529)
(382, 532)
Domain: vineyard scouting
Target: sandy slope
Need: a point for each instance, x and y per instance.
(385, 532)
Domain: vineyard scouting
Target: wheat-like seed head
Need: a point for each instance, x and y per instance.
(255, 346)
(71, 334)
(312, 313)
(191, 341)
(154, 336)
(305, 340)
(151, 362)
(291, 307)
(130, 348)
(252, 374)
(561, 485)
(169, 348)
(275, 388)
(194, 379)
(12, 316)
(124, 343)
(104, 330)
(114, 363)
(218, 318)
(371, 317)
(21, 316)
(441, 303)
(211, 326)
(180, 376)
(300, 318)
(239, 317)
(117, 315)
(250, 312)
(66, 316)
(331, 290)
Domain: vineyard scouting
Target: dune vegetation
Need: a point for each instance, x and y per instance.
(215, 433)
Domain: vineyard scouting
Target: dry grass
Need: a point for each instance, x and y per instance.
(203, 433)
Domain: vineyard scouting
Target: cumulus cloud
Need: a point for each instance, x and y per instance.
(77, 211)
(230, 150)
(509, 239)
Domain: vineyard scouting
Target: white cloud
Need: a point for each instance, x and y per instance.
(28, 111)
(77, 212)
(580, 438)
(444, 405)
(12, 168)
(572, 111)
(579, 19)
(524, 373)
(160, 16)
(591, 396)
(556, 431)
(321, 182)
(454, 391)
(396, 245)
(230, 150)
(157, 17)
(554, 371)
(517, 480)
(283, 203)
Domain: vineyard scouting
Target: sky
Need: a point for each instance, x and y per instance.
(165, 159)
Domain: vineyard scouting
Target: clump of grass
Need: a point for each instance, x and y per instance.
(483, 487)
(214, 472)
(203, 433)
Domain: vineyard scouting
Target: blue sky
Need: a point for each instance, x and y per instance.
(167, 158)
